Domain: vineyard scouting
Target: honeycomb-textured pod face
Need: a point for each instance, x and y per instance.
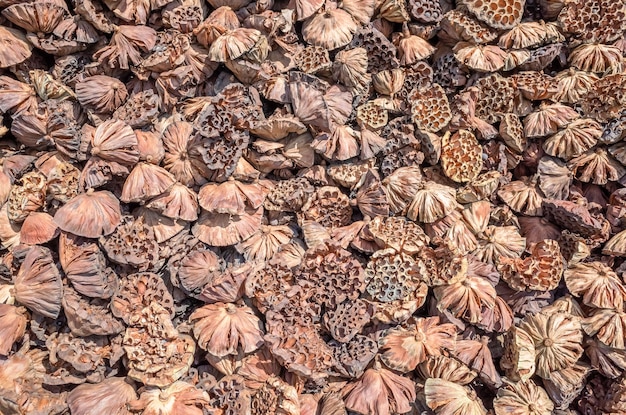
(430, 108)
(354, 356)
(329, 207)
(461, 156)
(512, 132)
(398, 233)
(458, 26)
(535, 85)
(392, 276)
(499, 14)
(541, 271)
(312, 59)
(495, 96)
(372, 115)
(27, 196)
(426, 11)
(594, 20)
(381, 53)
(347, 319)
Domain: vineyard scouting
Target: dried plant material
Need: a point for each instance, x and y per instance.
(477, 356)
(145, 181)
(350, 68)
(466, 296)
(461, 156)
(412, 48)
(523, 196)
(606, 28)
(577, 137)
(101, 93)
(431, 202)
(386, 286)
(523, 397)
(518, 360)
(330, 29)
(445, 397)
(430, 108)
(577, 218)
(222, 329)
(596, 58)
(12, 326)
(112, 396)
(380, 391)
(598, 285)
(138, 291)
(446, 368)
(597, 166)
(541, 271)
(548, 119)
(38, 283)
(231, 197)
(86, 317)
(573, 85)
(404, 349)
(482, 58)
(458, 26)
(557, 338)
(126, 45)
(104, 207)
(15, 48)
(179, 397)
(38, 228)
(607, 326)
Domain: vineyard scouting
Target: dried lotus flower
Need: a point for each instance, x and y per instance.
(38, 283)
(389, 82)
(558, 341)
(465, 297)
(14, 48)
(607, 326)
(115, 141)
(448, 398)
(330, 29)
(403, 349)
(38, 228)
(597, 58)
(614, 246)
(577, 137)
(548, 119)
(126, 45)
(481, 58)
(522, 196)
(431, 202)
(101, 93)
(16, 96)
(178, 398)
(232, 197)
(477, 356)
(608, 361)
(522, 397)
(380, 392)
(524, 35)
(12, 326)
(236, 43)
(412, 48)
(110, 396)
(461, 156)
(573, 85)
(597, 283)
(597, 166)
(265, 243)
(101, 214)
(518, 360)
(221, 20)
(446, 368)
(222, 329)
(146, 181)
(350, 69)
(401, 186)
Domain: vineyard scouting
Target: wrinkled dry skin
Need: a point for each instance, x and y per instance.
(312, 207)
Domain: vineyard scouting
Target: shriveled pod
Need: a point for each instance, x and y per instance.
(522, 397)
(597, 58)
(219, 22)
(524, 35)
(90, 214)
(412, 48)
(12, 326)
(477, 355)
(38, 284)
(548, 119)
(223, 329)
(224, 229)
(350, 68)
(101, 93)
(431, 202)
(330, 29)
(38, 228)
(577, 137)
(482, 58)
(112, 395)
(115, 141)
(145, 181)
(27, 196)
(14, 47)
(126, 45)
(446, 368)
(445, 397)
(597, 284)
(236, 43)
(179, 202)
(41, 17)
(518, 360)
(232, 197)
(404, 349)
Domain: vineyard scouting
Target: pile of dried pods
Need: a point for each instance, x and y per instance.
(312, 207)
